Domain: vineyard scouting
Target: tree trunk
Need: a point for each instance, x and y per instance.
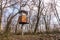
(36, 26)
(9, 22)
(0, 14)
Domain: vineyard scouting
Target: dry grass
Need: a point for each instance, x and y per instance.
(19, 37)
(26, 37)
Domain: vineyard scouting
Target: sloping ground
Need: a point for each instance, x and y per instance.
(31, 37)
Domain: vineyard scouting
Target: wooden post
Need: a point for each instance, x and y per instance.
(22, 29)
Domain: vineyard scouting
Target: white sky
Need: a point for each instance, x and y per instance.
(46, 1)
(10, 10)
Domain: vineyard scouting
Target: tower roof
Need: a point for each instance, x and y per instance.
(23, 12)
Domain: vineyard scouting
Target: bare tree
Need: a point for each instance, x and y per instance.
(4, 6)
(38, 15)
(0, 13)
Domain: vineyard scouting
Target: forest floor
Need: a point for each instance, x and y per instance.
(31, 37)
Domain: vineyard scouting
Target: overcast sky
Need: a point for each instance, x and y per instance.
(10, 9)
